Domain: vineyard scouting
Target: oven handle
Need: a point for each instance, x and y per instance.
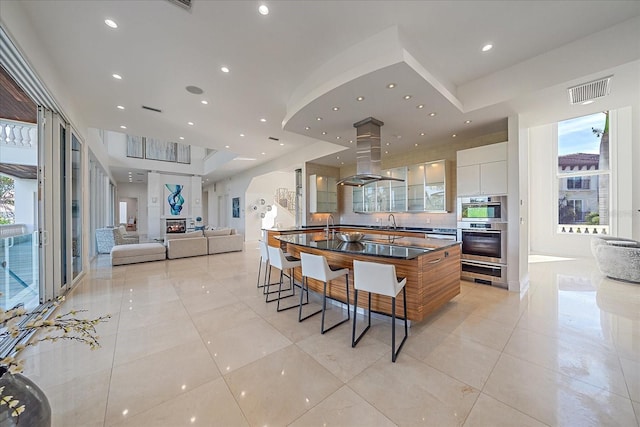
(481, 231)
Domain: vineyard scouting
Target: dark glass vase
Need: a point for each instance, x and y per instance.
(37, 412)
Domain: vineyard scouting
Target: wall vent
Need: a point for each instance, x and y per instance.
(182, 3)
(590, 91)
(274, 139)
(157, 110)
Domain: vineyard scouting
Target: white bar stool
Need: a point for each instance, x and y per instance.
(282, 261)
(264, 260)
(379, 279)
(316, 267)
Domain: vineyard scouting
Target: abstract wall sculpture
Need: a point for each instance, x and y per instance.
(175, 199)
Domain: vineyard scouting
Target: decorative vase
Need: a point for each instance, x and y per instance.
(37, 412)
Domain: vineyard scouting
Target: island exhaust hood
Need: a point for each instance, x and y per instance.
(368, 155)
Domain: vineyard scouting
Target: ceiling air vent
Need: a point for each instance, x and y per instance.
(274, 139)
(182, 3)
(157, 110)
(590, 91)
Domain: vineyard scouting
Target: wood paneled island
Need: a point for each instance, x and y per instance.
(432, 267)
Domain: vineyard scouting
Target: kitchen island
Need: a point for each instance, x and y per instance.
(431, 266)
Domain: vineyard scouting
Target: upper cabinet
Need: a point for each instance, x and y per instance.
(482, 170)
(435, 188)
(323, 194)
(423, 189)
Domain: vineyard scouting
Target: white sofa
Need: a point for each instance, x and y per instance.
(108, 237)
(224, 240)
(617, 258)
(137, 252)
(182, 245)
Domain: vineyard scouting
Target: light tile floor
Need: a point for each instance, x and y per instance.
(192, 343)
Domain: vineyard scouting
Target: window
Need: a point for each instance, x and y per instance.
(583, 174)
(578, 183)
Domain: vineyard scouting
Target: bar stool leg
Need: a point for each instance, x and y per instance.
(355, 340)
(291, 286)
(394, 352)
(266, 292)
(324, 307)
(305, 280)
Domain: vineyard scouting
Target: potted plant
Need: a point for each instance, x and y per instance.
(21, 401)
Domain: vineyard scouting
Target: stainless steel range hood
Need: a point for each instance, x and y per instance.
(368, 155)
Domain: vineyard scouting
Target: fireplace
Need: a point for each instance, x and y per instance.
(173, 226)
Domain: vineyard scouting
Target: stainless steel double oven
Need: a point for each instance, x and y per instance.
(482, 229)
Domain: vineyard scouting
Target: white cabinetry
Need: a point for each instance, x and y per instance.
(323, 194)
(482, 170)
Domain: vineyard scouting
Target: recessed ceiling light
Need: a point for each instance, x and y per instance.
(307, 128)
(224, 69)
(415, 145)
(386, 152)
(226, 146)
(587, 102)
(263, 9)
(420, 106)
(391, 85)
(120, 107)
(190, 123)
(466, 122)
(454, 135)
(342, 163)
(487, 47)
(432, 114)
(388, 143)
(421, 133)
(338, 157)
(204, 101)
(242, 134)
(123, 127)
(335, 108)
(281, 144)
(407, 97)
(263, 120)
(111, 23)
(181, 138)
(263, 153)
(117, 76)
(318, 118)
(324, 133)
(360, 98)
(337, 137)
(351, 141)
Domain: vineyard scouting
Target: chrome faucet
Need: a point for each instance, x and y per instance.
(392, 219)
(333, 232)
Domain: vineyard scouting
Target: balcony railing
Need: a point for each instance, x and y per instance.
(18, 134)
(584, 229)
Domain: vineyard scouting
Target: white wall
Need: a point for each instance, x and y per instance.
(157, 199)
(25, 191)
(139, 192)
(237, 186)
(117, 145)
(264, 187)
(543, 188)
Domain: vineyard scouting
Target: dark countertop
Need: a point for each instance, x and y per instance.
(398, 247)
(434, 230)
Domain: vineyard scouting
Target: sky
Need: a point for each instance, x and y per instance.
(575, 135)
